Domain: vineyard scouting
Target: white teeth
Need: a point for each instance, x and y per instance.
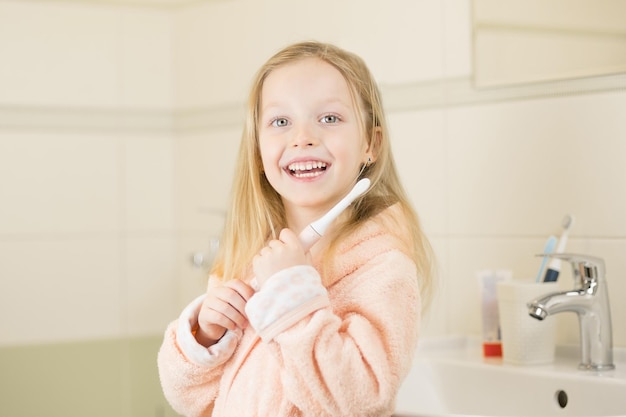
(298, 167)
(307, 169)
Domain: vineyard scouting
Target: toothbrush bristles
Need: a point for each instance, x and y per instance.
(568, 220)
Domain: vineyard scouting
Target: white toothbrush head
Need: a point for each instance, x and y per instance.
(321, 224)
(314, 231)
(567, 223)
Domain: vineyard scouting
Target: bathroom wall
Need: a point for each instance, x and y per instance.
(119, 124)
(88, 238)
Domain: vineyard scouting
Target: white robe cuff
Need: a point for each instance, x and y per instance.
(212, 356)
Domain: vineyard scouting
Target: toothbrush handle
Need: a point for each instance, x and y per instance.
(554, 268)
(541, 269)
(308, 237)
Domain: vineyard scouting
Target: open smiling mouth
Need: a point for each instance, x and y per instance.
(306, 169)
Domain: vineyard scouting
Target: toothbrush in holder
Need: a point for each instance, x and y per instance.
(548, 248)
(554, 267)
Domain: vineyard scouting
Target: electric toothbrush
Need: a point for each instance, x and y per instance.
(315, 230)
(554, 267)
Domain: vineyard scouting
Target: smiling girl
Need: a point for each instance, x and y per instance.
(282, 331)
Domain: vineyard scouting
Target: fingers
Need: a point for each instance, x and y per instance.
(223, 309)
(289, 237)
(227, 304)
(287, 240)
(244, 290)
(278, 254)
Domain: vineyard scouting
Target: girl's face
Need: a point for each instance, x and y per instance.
(311, 143)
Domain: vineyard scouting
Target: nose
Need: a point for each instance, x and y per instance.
(304, 136)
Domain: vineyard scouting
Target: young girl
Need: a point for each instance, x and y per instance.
(281, 331)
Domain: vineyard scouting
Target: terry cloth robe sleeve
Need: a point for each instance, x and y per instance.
(350, 357)
(189, 372)
(286, 297)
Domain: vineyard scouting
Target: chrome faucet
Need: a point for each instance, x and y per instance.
(590, 301)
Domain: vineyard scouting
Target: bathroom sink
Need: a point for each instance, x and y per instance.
(450, 377)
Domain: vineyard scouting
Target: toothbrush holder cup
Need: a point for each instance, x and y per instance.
(525, 341)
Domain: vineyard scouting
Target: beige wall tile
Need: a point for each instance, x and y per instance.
(56, 290)
(149, 183)
(203, 74)
(151, 284)
(58, 183)
(457, 47)
(58, 53)
(418, 146)
(205, 165)
(435, 321)
(145, 60)
(74, 54)
(399, 47)
(519, 167)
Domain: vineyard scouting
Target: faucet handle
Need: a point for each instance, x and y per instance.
(589, 268)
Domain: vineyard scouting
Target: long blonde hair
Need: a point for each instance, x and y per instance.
(257, 211)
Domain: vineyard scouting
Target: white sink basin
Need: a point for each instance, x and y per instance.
(450, 377)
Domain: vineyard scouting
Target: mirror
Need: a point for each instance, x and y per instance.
(526, 41)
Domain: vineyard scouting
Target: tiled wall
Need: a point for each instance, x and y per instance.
(88, 239)
(119, 126)
(87, 222)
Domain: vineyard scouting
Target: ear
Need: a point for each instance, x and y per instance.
(371, 153)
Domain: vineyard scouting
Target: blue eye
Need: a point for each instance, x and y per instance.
(330, 118)
(280, 122)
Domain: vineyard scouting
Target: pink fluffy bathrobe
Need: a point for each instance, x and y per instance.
(337, 345)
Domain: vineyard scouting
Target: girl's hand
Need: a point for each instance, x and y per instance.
(223, 309)
(279, 254)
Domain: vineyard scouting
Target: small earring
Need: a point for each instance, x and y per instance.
(369, 161)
